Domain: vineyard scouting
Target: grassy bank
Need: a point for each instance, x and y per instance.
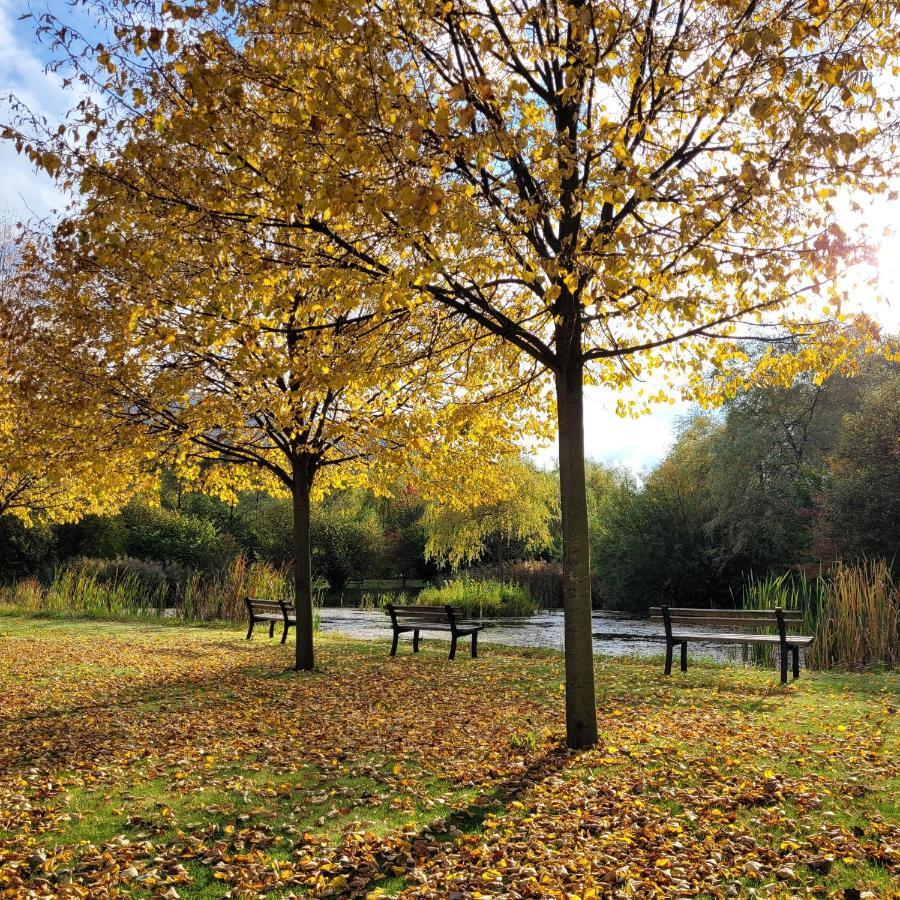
(152, 759)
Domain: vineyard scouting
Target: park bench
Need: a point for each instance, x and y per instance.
(271, 611)
(431, 618)
(735, 619)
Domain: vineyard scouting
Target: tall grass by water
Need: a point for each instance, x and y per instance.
(853, 611)
(481, 598)
(125, 588)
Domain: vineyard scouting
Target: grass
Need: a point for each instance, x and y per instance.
(143, 757)
(130, 589)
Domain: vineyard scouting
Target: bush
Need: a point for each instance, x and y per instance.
(346, 537)
(24, 551)
(541, 578)
(481, 598)
(155, 533)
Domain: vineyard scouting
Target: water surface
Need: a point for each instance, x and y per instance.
(615, 634)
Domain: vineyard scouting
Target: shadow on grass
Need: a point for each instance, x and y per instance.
(466, 820)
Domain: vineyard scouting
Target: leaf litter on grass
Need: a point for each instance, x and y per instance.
(185, 763)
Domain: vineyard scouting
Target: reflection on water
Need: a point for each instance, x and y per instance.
(615, 634)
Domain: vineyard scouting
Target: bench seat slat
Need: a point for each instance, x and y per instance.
(795, 639)
(723, 620)
(686, 612)
(462, 628)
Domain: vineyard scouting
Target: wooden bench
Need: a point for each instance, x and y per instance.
(431, 618)
(271, 611)
(735, 619)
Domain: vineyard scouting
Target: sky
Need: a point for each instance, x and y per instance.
(635, 444)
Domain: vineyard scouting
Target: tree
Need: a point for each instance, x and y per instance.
(861, 498)
(222, 357)
(659, 542)
(525, 513)
(608, 188)
(57, 462)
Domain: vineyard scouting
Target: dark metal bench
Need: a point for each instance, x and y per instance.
(271, 611)
(735, 618)
(431, 618)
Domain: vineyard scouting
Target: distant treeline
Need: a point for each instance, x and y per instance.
(779, 479)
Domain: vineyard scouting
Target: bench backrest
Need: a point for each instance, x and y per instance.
(735, 618)
(411, 615)
(260, 605)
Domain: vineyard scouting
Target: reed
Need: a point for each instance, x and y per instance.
(80, 589)
(853, 610)
(112, 589)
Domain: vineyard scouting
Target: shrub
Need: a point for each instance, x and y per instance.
(481, 598)
(153, 532)
(542, 579)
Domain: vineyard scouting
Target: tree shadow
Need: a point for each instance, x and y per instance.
(367, 871)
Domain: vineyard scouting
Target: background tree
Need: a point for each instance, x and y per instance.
(659, 542)
(609, 188)
(519, 523)
(861, 499)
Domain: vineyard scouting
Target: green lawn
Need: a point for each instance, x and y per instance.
(162, 761)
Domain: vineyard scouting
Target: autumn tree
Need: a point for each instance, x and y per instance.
(244, 381)
(610, 188)
(57, 462)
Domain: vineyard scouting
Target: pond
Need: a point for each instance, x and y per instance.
(615, 634)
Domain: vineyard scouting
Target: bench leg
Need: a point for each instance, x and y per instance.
(250, 629)
(784, 663)
(416, 641)
(795, 653)
(271, 629)
(669, 647)
(453, 647)
(394, 643)
(474, 645)
(284, 633)
(684, 656)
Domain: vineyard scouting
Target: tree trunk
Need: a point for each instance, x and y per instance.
(303, 600)
(581, 706)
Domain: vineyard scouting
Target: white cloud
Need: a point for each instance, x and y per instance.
(636, 444)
